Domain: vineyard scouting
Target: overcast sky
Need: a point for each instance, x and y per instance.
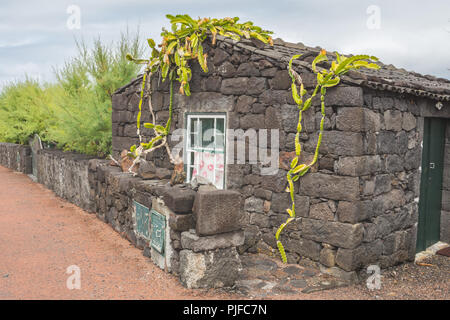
(414, 34)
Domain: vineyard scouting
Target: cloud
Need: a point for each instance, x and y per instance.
(413, 34)
(17, 43)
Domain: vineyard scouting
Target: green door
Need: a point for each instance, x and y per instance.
(431, 183)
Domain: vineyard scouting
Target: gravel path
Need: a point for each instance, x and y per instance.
(42, 235)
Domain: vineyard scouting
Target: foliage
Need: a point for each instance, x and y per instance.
(179, 46)
(326, 78)
(75, 112)
(26, 108)
(83, 107)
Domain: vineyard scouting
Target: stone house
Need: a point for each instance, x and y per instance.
(380, 191)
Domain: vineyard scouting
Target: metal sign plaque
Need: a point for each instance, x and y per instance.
(158, 231)
(142, 220)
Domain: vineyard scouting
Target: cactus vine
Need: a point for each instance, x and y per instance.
(326, 78)
(179, 46)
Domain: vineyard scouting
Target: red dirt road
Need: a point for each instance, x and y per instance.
(42, 235)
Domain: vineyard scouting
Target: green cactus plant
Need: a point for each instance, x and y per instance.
(326, 78)
(182, 44)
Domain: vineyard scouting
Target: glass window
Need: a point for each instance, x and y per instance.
(206, 148)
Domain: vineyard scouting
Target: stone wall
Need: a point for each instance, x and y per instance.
(63, 172)
(67, 175)
(202, 256)
(357, 206)
(16, 157)
(202, 260)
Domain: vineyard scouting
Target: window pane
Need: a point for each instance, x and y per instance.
(191, 172)
(220, 142)
(193, 125)
(207, 125)
(207, 138)
(193, 137)
(220, 125)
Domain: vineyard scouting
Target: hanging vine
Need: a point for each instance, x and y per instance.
(326, 78)
(180, 45)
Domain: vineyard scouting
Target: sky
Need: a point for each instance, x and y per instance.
(38, 36)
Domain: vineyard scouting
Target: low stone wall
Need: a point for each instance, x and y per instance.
(67, 175)
(63, 172)
(201, 257)
(16, 157)
(201, 228)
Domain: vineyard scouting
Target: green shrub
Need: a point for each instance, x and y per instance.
(75, 112)
(26, 108)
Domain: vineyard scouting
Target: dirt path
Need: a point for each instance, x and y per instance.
(42, 235)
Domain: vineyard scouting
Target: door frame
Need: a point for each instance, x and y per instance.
(428, 229)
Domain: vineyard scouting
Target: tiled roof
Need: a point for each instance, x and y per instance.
(387, 78)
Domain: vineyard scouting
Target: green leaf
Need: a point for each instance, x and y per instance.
(295, 95)
(277, 234)
(201, 58)
(164, 70)
(290, 212)
(320, 78)
(149, 125)
(282, 253)
(151, 43)
(294, 162)
(373, 66)
(307, 104)
(299, 168)
(290, 65)
(177, 58)
(302, 90)
(160, 129)
(171, 46)
(187, 89)
(298, 147)
(259, 37)
(343, 65)
(304, 171)
(332, 82)
(321, 57)
(194, 41)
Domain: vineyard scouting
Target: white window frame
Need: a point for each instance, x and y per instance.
(189, 150)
